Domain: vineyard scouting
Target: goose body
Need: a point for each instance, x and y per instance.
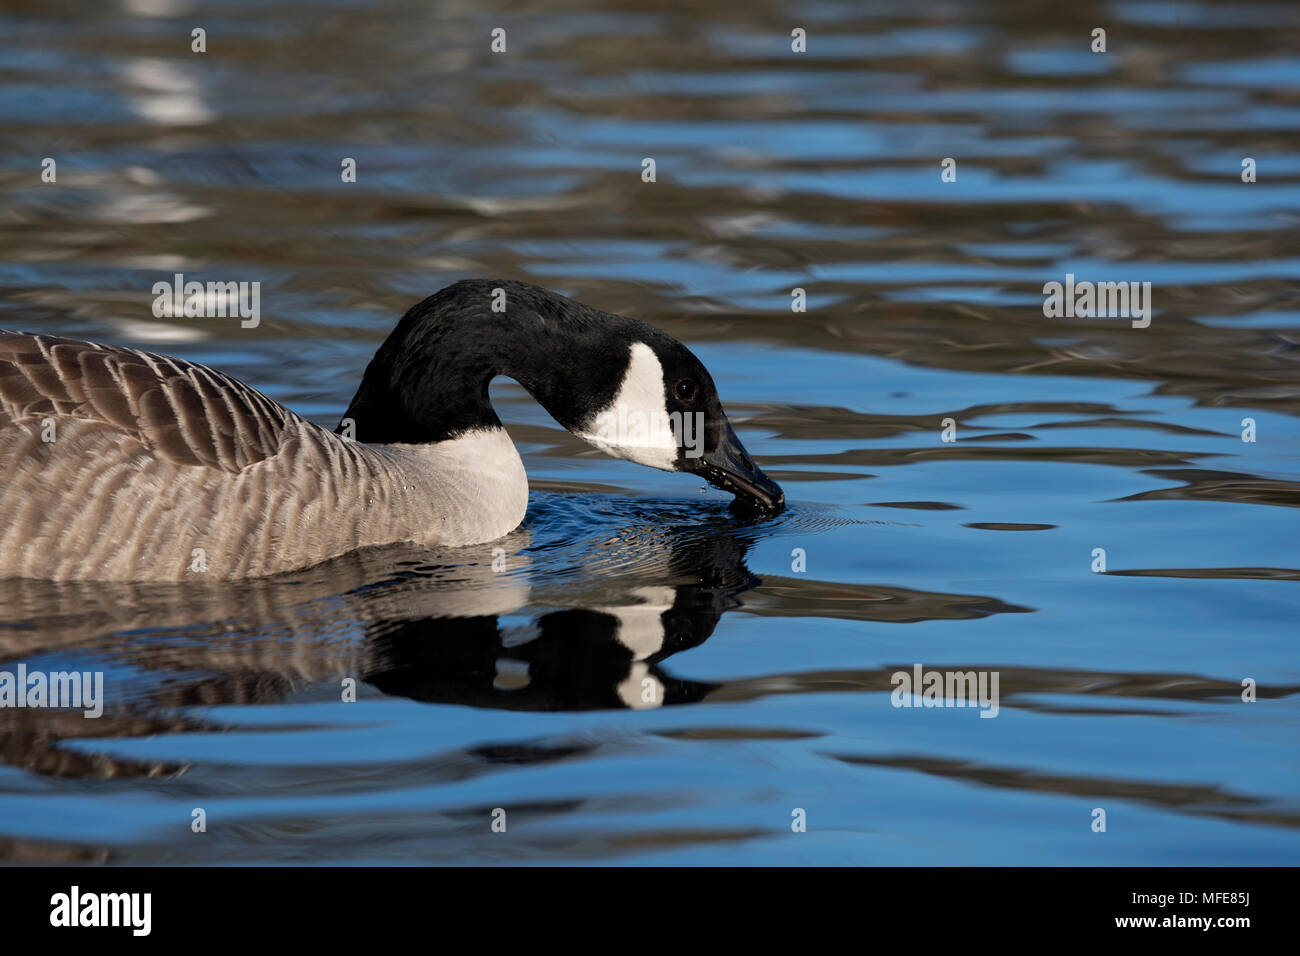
(118, 464)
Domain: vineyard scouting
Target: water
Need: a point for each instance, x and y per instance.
(651, 679)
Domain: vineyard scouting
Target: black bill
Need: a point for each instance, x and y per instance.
(730, 468)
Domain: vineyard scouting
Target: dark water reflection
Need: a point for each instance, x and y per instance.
(650, 679)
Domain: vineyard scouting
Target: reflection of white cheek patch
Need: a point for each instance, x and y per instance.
(637, 425)
(641, 626)
(641, 689)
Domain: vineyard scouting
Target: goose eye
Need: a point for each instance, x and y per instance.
(686, 390)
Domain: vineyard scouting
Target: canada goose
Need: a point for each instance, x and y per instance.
(117, 464)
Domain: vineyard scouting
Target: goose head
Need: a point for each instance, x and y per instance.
(626, 387)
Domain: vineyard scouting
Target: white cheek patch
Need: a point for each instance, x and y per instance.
(637, 425)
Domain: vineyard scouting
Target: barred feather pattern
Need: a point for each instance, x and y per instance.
(119, 464)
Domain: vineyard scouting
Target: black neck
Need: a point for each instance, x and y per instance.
(429, 381)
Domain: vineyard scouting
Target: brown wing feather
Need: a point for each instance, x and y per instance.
(184, 412)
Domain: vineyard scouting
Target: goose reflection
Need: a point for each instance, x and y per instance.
(576, 658)
(584, 619)
(454, 627)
